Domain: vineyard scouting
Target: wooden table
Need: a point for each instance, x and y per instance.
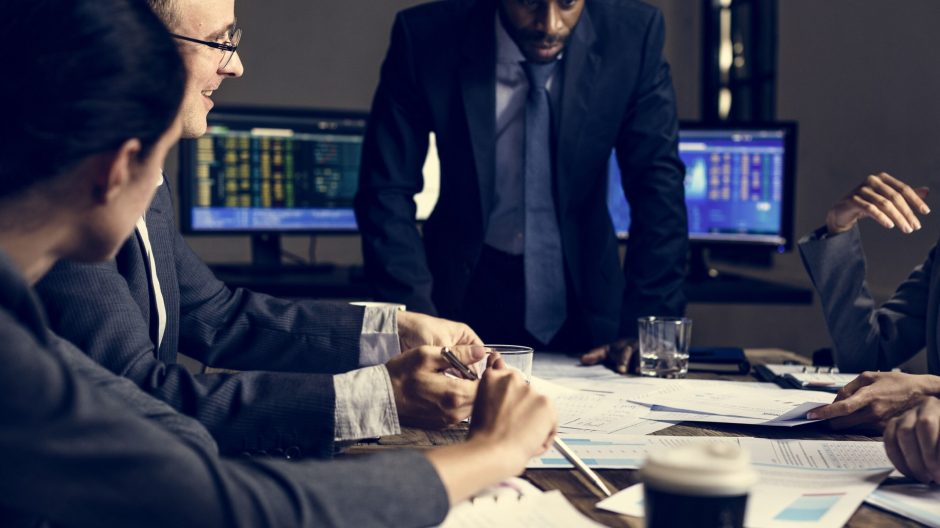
(584, 496)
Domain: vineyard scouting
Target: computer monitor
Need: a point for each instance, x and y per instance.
(270, 171)
(739, 185)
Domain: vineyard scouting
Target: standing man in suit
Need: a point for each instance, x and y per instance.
(316, 372)
(527, 98)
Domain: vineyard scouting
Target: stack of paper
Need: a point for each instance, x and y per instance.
(920, 502)
(598, 408)
(617, 451)
(802, 482)
(516, 503)
(730, 402)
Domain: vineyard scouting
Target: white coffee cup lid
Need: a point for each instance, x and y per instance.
(715, 469)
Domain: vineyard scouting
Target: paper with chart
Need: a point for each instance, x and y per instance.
(920, 502)
(729, 402)
(617, 451)
(802, 482)
(630, 451)
(596, 409)
(516, 503)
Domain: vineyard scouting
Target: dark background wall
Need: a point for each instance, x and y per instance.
(860, 76)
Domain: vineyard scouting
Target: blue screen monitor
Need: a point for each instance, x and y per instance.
(739, 185)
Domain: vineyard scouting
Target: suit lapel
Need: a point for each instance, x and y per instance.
(581, 65)
(478, 85)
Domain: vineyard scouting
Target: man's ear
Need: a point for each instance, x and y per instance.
(116, 171)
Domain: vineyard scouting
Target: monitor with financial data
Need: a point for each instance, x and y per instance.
(267, 172)
(739, 184)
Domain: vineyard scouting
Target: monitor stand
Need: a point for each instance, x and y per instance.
(707, 284)
(699, 268)
(266, 257)
(266, 251)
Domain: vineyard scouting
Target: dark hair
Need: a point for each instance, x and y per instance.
(81, 77)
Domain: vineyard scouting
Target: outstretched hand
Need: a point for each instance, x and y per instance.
(884, 198)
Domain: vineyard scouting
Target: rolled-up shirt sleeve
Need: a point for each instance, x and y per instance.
(365, 404)
(379, 340)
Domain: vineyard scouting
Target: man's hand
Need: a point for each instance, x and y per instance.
(622, 356)
(883, 197)
(424, 396)
(873, 398)
(511, 417)
(415, 329)
(912, 441)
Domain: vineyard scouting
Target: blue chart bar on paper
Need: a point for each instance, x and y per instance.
(594, 462)
(809, 508)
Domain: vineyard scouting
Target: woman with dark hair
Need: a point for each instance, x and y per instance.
(89, 113)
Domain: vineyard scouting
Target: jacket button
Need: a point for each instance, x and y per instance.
(292, 452)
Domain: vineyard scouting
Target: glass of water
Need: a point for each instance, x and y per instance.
(664, 346)
(515, 356)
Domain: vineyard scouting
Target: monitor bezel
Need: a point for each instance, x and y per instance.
(303, 116)
(789, 128)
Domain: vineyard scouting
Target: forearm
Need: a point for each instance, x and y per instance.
(470, 467)
(865, 336)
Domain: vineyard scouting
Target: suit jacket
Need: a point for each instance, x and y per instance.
(439, 75)
(866, 336)
(74, 453)
(107, 311)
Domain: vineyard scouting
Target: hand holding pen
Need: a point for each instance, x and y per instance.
(494, 362)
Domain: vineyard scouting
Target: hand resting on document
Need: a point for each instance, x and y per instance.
(621, 356)
(873, 398)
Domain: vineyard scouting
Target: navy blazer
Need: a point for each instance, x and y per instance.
(107, 311)
(81, 447)
(439, 76)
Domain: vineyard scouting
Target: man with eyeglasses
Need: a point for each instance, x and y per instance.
(312, 372)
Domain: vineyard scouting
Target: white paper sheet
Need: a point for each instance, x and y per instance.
(594, 409)
(630, 451)
(914, 501)
(786, 497)
(553, 366)
(617, 451)
(730, 402)
(802, 482)
(508, 509)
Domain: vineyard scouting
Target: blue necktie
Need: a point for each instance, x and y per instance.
(545, 299)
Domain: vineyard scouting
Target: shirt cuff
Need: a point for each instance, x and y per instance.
(378, 342)
(365, 404)
(822, 233)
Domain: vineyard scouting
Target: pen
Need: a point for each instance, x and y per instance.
(566, 451)
(457, 364)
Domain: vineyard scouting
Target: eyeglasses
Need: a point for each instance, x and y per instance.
(228, 48)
